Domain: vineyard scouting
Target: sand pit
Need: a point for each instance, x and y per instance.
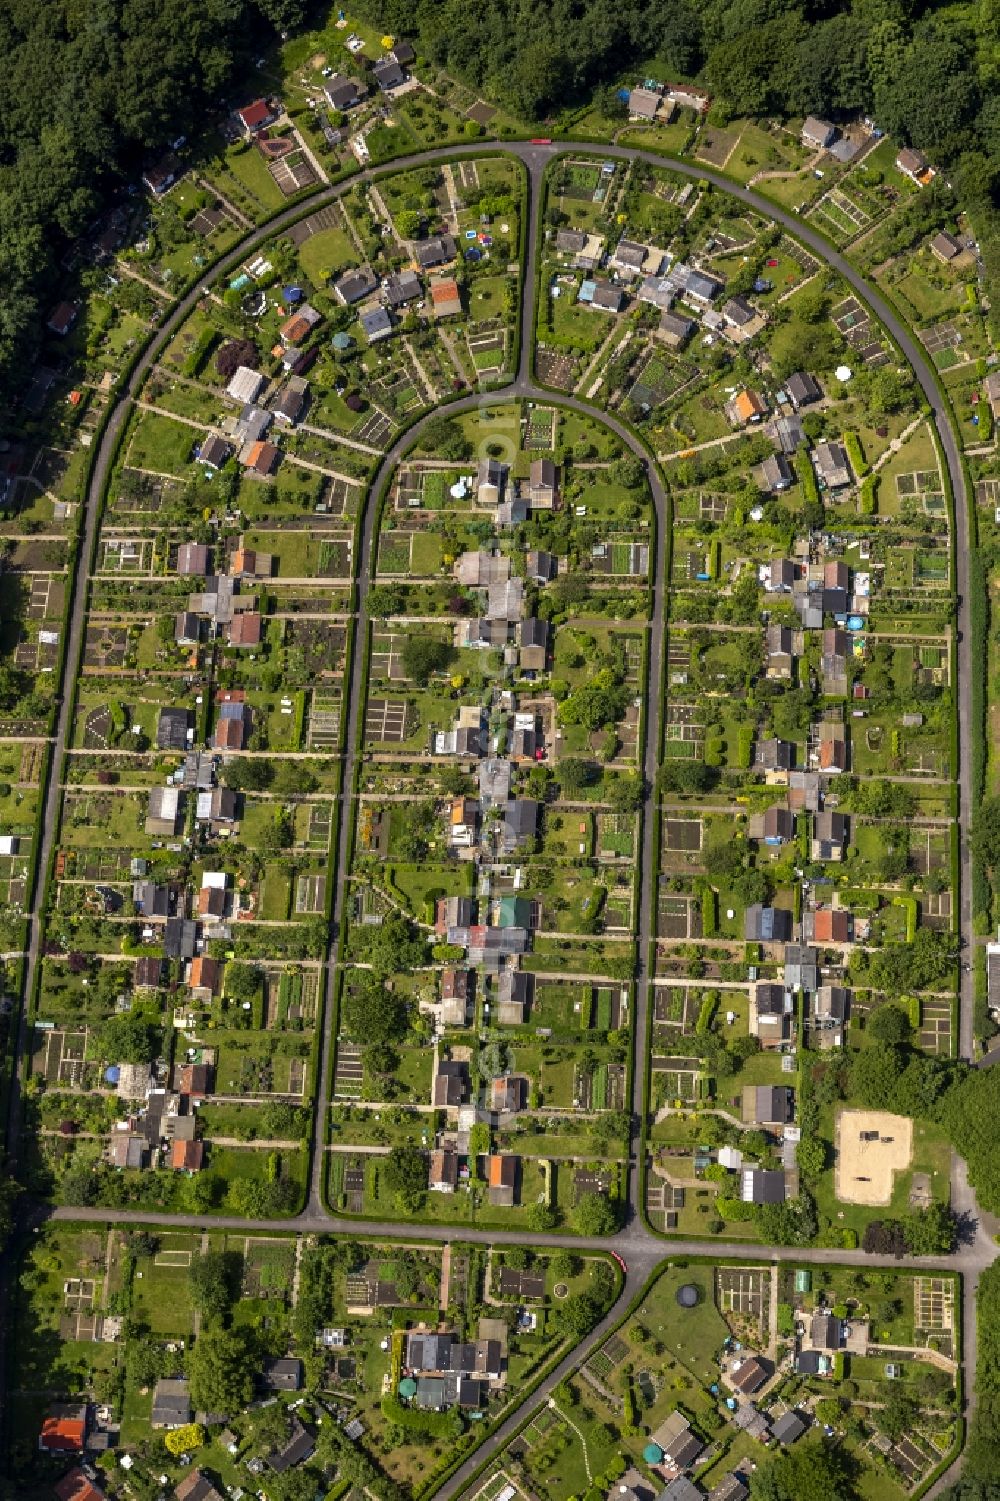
(866, 1169)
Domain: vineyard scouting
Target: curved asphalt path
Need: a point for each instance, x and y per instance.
(635, 1242)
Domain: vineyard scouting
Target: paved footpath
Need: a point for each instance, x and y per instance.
(640, 1249)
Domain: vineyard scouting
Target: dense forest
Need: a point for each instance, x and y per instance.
(979, 1462)
(928, 74)
(92, 88)
(95, 86)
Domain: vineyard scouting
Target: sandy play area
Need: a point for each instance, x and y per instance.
(871, 1147)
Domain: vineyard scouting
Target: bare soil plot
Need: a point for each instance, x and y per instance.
(712, 507)
(373, 429)
(683, 834)
(555, 369)
(310, 894)
(627, 730)
(716, 146)
(326, 218)
(59, 1055)
(96, 729)
(466, 174)
(320, 825)
(409, 488)
(872, 1146)
(79, 1324)
(744, 1293)
(934, 1303)
(387, 656)
(292, 173)
(323, 729)
(36, 656)
(912, 1460)
(941, 337)
(387, 719)
(105, 645)
(339, 497)
(78, 1293)
(678, 917)
(130, 555)
(935, 1027)
(347, 1079)
(47, 597)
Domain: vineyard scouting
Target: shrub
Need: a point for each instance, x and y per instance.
(909, 906)
(714, 749)
(856, 454)
(807, 478)
(183, 1440)
(435, 1424)
(734, 1209)
(203, 346)
(710, 1002)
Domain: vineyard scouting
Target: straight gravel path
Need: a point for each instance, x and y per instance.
(636, 1244)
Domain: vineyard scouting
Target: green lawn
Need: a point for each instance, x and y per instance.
(248, 167)
(160, 445)
(161, 1294)
(325, 254)
(693, 1335)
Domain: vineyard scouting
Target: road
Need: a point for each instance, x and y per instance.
(640, 1248)
(951, 449)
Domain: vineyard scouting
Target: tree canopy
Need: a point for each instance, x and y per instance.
(220, 1371)
(599, 701)
(424, 655)
(811, 1471)
(214, 1280)
(90, 91)
(978, 1482)
(405, 1172)
(373, 1014)
(595, 1215)
(129, 1038)
(393, 947)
